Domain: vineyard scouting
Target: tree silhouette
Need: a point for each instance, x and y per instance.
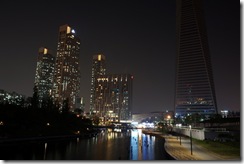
(96, 120)
(65, 106)
(47, 103)
(78, 111)
(35, 98)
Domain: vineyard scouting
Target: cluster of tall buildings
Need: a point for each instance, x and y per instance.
(58, 77)
(111, 94)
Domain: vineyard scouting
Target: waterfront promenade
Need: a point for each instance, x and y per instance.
(183, 151)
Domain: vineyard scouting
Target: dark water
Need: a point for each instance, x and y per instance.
(130, 145)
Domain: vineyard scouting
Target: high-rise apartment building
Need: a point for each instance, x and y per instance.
(67, 69)
(98, 68)
(195, 92)
(12, 98)
(113, 97)
(44, 74)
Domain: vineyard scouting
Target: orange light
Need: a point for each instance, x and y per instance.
(99, 58)
(68, 30)
(45, 51)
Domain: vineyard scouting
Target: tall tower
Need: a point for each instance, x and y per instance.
(195, 91)
(98, 68)
(44, 74)
(67, 69)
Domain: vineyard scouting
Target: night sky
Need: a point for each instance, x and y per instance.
(136, 36)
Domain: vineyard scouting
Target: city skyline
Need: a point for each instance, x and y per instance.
(138, 39)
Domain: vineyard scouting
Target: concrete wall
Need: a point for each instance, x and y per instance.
(196, 133)
(201, 134)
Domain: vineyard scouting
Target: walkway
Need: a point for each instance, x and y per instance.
(180, 149)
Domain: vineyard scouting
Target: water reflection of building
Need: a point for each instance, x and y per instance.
(113, 97)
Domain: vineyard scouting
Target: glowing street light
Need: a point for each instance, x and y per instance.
(168, 118)
(190, 138)
(180, 133)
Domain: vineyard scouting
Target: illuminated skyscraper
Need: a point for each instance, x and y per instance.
(113, 97)
(98, 68)
(44, 74)
(195, 91)
(67, 69)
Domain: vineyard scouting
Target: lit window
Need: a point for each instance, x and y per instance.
(68, 29)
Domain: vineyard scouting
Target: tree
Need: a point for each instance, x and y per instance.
(35, 98)
(96, 120)
(65, 106)
(78, 111)
(47, 103)
(216, 118)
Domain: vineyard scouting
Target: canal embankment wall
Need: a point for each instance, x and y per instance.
(201, 134)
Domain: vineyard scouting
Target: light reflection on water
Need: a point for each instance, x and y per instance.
(131, 145)
(142, 146)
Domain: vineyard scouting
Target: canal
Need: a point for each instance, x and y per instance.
(107, 145)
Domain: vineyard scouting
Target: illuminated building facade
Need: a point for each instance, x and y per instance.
(44, 74)
(11, 98)
(98, 68)
(113, 98)
(80, 106)
(67, 69)
(195, 92)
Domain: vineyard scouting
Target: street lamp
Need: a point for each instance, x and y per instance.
(169, 117)
(190, 138)
(180, 133)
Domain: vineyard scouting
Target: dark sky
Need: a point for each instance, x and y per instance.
(136, 36)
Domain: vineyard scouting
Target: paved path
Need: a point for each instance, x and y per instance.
(183, 151)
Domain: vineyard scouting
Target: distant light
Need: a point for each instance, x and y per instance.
(45, 51)
(73, 31)
(99, 57)
(178, 125)
(224, 111)
(68, 30)
(132, 77)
